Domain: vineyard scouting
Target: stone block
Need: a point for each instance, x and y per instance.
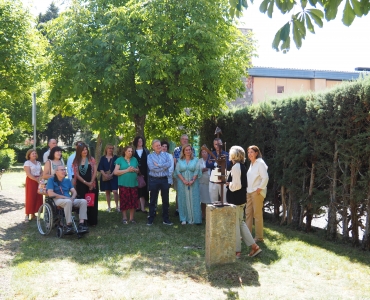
(220, 234)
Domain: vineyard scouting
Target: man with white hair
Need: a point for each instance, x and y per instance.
(159, 164)
(60, 189)
(52, 143)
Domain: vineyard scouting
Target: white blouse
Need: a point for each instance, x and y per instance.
(35, 168)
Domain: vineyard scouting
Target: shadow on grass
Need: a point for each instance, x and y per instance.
(281, 234)
(9, 205)
(156, 250)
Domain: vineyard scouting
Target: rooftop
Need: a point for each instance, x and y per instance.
(302, 73)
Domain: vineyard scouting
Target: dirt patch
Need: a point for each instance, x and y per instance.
(11, 228)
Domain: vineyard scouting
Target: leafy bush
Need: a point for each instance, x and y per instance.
(20, 153)
(7, 158)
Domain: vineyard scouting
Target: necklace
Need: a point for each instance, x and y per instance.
(83, 168)
(128, 161)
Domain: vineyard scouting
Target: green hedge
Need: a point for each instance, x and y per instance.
(317, 147)
(7, 158)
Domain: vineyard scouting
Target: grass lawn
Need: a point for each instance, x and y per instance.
(135, 261)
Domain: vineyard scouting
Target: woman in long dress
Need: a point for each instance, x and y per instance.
(126, 169)
(188, 172)
(33, 170)
(204, 183)
(141, 154)
(108, 181)
(85, 181)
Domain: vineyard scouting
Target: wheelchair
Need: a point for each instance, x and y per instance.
(52, 216)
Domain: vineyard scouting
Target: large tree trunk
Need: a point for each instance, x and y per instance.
(299, 208)
(332, 211)
(309, 204)
(283, 203)
(291, 200)
(276, 203)
(366, 238)
(353, 203)
(139, 125)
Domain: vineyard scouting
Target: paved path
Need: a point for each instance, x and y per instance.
(12, 226)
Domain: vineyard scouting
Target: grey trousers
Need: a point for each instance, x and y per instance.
(242, 229)
(67, 205)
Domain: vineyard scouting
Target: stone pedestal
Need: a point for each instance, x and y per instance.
(220, 234)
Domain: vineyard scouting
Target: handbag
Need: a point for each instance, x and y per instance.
(41, 189)
(140, 181)
(107, 179)
(90, 199)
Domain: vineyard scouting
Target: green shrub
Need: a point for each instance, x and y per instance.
(20, 153)
(7, 158)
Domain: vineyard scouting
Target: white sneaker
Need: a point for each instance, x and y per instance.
(117, 209)
(108, 210)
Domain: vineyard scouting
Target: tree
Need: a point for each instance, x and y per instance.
(306, 13)
(122, 67)
(21, 50)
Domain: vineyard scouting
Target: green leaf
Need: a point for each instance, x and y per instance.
(313, 2)
(303, 3)
(348, 14)
(309, 24)
(297, 34)
(331, 9)
(317, 15)
(281, 35)
(357, 8)
(270, 10)
(263, 5)
(276, 41)
(285, 5)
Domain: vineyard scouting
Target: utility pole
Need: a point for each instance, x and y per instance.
(34, 119)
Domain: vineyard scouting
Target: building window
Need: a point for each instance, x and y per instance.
(280, 89)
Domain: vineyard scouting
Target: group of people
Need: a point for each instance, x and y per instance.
(66, 192)
(188, 175)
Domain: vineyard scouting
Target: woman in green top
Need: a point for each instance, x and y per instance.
(126, 169)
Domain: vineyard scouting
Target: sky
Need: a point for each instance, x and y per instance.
(333, 47)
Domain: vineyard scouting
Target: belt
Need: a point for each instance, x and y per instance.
(163, 177)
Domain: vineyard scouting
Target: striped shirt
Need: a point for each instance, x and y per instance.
(163, 162)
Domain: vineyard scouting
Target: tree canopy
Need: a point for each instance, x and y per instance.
(305, 15)
(21, 55)
(121, 67)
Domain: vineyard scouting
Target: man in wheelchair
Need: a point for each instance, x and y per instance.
(59, 188)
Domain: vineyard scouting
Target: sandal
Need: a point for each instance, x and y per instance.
(258, 240)
(132, 221)
(255, 251)
(238, 254)
(124, 221)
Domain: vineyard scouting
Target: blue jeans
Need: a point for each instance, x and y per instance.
(156, 185)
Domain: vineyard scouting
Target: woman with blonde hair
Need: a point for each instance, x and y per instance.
(187, 173)
(235, 194)
(108, 181)
(33, 170)
(256, 192)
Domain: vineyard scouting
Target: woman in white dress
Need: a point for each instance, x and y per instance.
(33, 170)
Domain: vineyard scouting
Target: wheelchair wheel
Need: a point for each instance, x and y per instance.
(45, 219)
(60, 232)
